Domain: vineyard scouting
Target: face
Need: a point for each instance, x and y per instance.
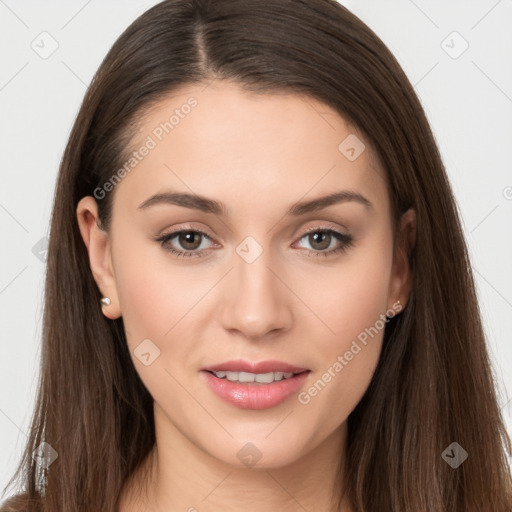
(239, 270)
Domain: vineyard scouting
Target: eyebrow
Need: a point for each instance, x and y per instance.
(206, 205)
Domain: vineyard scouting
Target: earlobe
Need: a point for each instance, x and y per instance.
(401, 279)
(97, 242)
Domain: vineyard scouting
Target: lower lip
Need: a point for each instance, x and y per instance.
(254, 395)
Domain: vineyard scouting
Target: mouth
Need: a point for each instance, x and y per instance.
(255, 385)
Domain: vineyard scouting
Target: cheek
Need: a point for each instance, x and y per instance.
(351, 297)
(351, 303)
(155, 296)
(141, 295)
(154, 293)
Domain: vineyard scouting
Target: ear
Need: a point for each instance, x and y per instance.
(401, 277)
(100, 259)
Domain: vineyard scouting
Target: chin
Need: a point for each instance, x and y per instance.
(259, 453)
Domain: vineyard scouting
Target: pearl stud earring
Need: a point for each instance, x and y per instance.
(105, 301)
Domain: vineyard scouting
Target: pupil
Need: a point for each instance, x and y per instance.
(187, 240)
(322, 238)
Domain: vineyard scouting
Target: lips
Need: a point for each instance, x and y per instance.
(250, 385)
(251, 367)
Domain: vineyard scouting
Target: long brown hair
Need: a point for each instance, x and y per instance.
(433, 384)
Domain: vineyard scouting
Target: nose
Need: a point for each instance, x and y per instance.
(258, 302)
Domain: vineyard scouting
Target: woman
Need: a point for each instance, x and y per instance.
(258, 292)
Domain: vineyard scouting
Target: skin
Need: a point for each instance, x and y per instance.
(258, 154)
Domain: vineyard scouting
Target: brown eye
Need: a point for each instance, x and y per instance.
(185, 243)
(320, 240)
(189, 240)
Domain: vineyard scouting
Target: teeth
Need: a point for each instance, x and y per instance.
(266, 378)
(263, 378)
(246, 377)
(232, 375)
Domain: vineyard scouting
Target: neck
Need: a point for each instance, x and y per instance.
(165, 482)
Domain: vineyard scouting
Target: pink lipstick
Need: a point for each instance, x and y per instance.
(251, 385)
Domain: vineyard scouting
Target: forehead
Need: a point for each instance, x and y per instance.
(219, 140)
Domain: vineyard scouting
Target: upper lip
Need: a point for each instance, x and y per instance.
(241, 365)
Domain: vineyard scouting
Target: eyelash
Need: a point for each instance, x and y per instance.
(347, 241)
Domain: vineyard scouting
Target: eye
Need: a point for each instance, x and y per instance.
(323, 241)
(190, 240)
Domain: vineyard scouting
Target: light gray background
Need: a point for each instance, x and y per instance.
(467, 97)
